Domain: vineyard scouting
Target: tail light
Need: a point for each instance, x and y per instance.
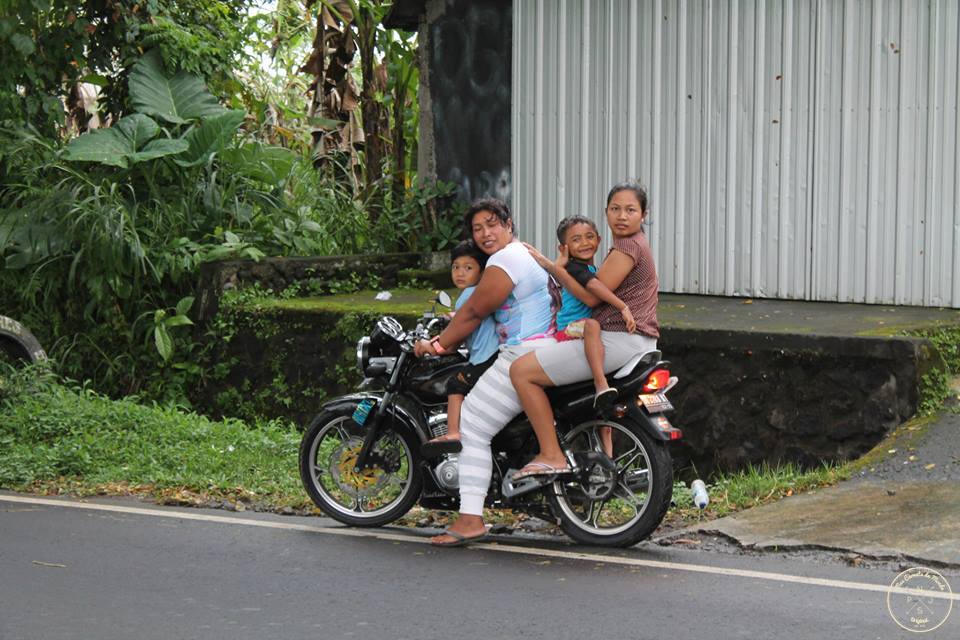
(657, 380)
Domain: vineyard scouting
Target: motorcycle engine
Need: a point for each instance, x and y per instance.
(448, 473)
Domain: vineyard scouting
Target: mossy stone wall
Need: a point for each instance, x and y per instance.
(279, 358)
(743, 398)
(753, 398)
(324, 274)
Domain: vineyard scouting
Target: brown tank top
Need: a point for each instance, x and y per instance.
(638, 290)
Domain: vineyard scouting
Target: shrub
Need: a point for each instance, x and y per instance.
(50, 430)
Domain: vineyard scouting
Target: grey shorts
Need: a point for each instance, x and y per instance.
(565, 362)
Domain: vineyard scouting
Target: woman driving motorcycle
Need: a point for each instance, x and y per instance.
(524, 301)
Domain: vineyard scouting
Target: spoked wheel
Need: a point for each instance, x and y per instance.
(619, 499)
(377, 495)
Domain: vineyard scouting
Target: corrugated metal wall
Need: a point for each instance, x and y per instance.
(804, 149)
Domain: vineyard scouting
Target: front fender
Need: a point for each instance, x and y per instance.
(396, 411)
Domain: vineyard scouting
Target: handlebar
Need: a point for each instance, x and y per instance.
(421, 332)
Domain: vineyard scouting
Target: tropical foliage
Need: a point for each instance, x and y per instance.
(102, 234)
(49, 47)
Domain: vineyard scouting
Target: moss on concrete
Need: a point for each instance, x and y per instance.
(906, 436)
(404, 302)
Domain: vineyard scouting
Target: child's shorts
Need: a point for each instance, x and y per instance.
(573, 331)
(460, 384)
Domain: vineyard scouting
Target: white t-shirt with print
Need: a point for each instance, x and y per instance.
(529, 312)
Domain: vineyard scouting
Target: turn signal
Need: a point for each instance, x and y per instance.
(656, 381)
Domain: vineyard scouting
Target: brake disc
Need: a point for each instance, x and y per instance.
(357, 483)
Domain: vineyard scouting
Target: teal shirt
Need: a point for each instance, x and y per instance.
(572, 308)
(483, 342)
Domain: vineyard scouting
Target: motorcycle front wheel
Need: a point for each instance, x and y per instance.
(375, 496)
(619, 499)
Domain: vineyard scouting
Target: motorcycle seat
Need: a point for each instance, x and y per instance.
(647, 358)
(578, 393)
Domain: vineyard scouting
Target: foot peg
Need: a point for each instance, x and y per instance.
(430, 449)
(511, 488)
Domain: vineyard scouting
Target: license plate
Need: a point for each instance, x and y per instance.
(362, 412)
(655, 402)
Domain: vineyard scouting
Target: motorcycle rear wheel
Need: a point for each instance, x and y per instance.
(378, 495)
(638, 495)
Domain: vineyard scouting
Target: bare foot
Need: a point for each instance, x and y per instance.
(466, 525)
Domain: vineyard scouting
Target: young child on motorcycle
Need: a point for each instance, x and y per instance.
(579, 241)
(467, 264)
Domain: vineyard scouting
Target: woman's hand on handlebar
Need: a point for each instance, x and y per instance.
(424, 347)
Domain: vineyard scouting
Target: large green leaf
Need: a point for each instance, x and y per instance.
(138, 129)
(266, 163)
(210, 136)
(178, 99)
(160, 148)
(106, 146)
(163, 342)
(128, 142)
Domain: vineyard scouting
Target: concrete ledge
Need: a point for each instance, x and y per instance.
(910, 521)
(279, 273)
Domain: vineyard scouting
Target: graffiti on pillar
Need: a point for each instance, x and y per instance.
(470, 93)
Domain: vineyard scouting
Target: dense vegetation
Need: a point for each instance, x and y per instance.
(220, 144)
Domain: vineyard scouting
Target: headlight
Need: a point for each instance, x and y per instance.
(363, 354)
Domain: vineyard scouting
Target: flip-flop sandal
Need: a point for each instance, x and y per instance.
(542, 469)
(459, 540)
(605, 399)
(436, 448)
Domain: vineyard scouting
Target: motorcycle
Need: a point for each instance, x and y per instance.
(360, 458)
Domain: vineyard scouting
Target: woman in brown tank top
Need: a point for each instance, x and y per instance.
(629, 272)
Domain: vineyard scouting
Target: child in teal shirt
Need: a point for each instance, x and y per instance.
(467, 266)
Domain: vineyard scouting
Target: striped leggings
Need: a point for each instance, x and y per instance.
(487, 409)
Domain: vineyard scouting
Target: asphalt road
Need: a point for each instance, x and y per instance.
(166, 573)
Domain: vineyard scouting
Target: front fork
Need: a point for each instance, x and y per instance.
(373, 424)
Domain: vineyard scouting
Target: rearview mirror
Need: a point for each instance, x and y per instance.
(444, 298)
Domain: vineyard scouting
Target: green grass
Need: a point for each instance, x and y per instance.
(404, 302)
(56, 437)
(753, 486)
